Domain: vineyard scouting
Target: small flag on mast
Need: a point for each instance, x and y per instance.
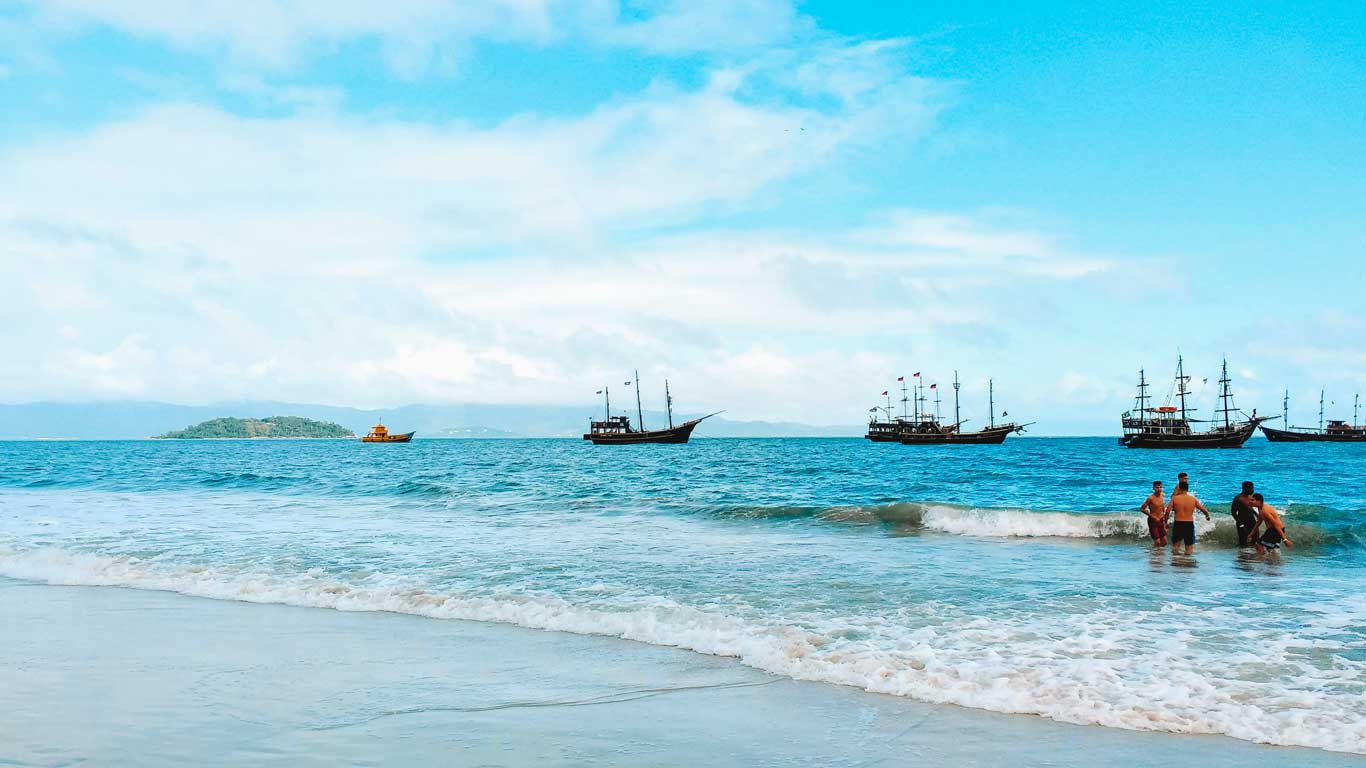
(599, 392)
(901, 378)
(916, 374)
(884, 391)
(626, 384)
(934, 386)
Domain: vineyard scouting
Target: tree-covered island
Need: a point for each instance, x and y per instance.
(273, 427)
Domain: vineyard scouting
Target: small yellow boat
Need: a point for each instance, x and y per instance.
(380, 434)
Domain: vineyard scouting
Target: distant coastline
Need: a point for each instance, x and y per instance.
(272, 428)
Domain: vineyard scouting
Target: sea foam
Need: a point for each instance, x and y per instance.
(1108, 666)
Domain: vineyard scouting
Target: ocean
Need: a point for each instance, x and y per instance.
(1012, 579)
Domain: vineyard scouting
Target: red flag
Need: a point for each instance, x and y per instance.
(901, 378)
(934, 386)
(916, 374)
(884, 391)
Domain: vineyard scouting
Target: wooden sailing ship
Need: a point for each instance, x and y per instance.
(1169, 425)
(922, 427)
(381, 434)
(617, 430)
(1334, 431)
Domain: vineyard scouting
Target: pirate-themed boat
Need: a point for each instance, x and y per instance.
(1169, 425)
(923, 427)
(617, 430)
(1335, 431)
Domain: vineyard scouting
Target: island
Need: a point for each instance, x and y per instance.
(274, 427)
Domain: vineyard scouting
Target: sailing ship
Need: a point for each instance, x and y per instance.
(1169, 426)
(380, 434)
(1335, 431)
(923, 427)
(617, 430)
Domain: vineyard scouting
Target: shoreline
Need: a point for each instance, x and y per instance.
(127, 676)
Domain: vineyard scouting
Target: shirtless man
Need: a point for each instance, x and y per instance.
(1183, 505)
(1181, 477)
(1244, 512)
(1274, 534)
(1155, 508)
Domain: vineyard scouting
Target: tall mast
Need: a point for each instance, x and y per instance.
(991, 402)
(1356, 406)
(1181, 385)
(889, 406)
(1285, 410)
(1320, 410)
(936, 402)
(607, 395)
(640, 415)
(1142, 394)
(956, 385)
(903, 398)
(1224, 394)
(669, 403)
(916, 400)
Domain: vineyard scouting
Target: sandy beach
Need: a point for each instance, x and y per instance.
(112, 676)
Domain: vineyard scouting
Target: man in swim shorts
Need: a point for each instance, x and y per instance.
(1183, 506)
(1244, 513)
(1181, 477)
(1273, 533)
(1155, 508)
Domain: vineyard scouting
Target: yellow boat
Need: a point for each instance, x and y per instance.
(380, 434)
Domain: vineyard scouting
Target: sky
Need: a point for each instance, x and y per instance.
(779, 207)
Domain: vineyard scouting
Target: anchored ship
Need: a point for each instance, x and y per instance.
(923, 427)
(617, 430)
(380, 434)
(1169, 426)
(1335, 431)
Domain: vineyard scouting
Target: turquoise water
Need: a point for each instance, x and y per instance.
(1012, 578)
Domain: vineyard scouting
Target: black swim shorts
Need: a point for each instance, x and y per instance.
(1183, 532)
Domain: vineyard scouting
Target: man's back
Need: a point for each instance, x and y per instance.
(1184, 506)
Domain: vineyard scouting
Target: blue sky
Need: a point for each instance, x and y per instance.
(782, 207)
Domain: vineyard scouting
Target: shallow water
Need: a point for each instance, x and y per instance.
(1011, 578)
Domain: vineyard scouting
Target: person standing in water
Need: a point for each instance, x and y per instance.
(1183, 505)
(1273, 536)
(1155, 508)
(1244, 512)
(1181, 477)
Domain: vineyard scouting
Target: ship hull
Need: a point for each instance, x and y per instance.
(990, 436)
(1230, 439)
(672, 436)
(882, 438)
(403, 438)
(1290, 436)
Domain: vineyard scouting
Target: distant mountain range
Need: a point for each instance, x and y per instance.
(131, 419)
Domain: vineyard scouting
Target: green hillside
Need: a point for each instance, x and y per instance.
(275, 426)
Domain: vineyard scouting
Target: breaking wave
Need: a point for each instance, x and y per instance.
(1108, 667)
(1308, 526)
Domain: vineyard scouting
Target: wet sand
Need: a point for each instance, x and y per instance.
(111, 676)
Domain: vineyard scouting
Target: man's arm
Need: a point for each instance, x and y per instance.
(1201, 507)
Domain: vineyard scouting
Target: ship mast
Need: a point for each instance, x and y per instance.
(669, 403)
(1320, 410)
(1142, 394)
(1224, 394)
(991, 403)
(916, 400)
(920, 397)
(936, 400)
(956, 385)
(640, 415)
(903, 398)
(607, 396)
(1181, 385)
(1356, 407)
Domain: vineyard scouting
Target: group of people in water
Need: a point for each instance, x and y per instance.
(1258, 524)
